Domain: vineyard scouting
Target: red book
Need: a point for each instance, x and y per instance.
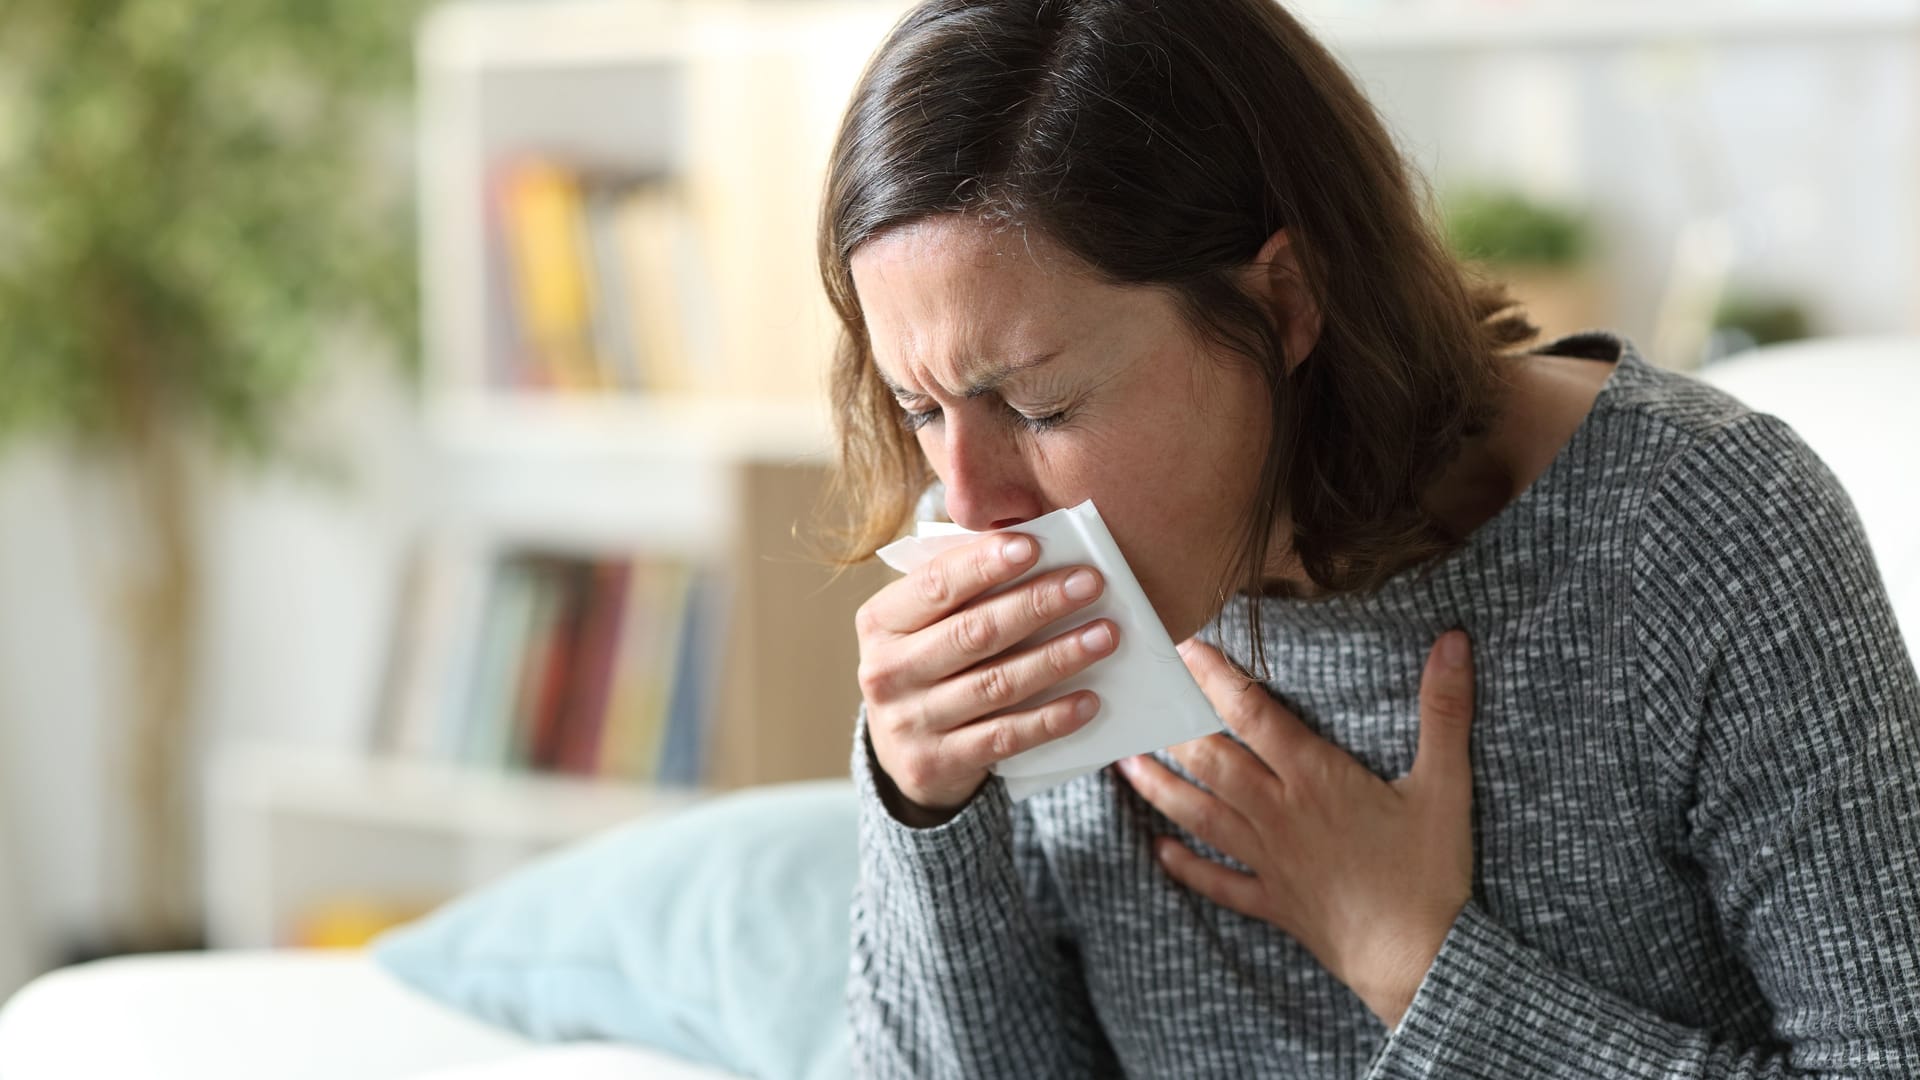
(556, 663)
(593, 681)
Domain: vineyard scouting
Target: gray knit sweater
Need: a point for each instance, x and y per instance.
(1696, 762)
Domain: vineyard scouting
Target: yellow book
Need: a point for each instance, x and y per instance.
(669, 615)
(351, 922)
(546, 245)
(628, 726)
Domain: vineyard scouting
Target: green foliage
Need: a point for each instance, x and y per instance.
(193, 194)
(1507, 229)
(1763, 319)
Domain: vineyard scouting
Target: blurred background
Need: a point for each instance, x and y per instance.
(404, 406)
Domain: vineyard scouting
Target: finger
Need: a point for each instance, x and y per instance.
(1002, 682)
(984, 743)
(1221, 884)
(1200, 812)
(947, 582)
(1233, 772)
(1244, 705)
(1446, 713)
(986, 629)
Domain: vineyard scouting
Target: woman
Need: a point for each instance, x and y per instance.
(1583, 741)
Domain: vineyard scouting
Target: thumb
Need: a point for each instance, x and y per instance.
(1446, 715)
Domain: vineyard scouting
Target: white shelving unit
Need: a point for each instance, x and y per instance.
(285, 826)
(736, 103)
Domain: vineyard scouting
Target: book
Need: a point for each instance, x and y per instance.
(637, 709)
(577, 743)
(685, 748)
(541, 221)
(486, 728)
(612, 288)
(550, 663)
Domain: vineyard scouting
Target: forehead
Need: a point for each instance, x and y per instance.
(968, 299)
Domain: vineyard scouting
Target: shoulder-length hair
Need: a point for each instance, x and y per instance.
(1161, 142)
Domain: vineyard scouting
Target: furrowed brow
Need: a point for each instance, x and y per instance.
(983, 383)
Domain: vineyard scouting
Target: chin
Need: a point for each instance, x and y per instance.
(1180, 621)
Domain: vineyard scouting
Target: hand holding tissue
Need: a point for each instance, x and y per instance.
(1148, 698)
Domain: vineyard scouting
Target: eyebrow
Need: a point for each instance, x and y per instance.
(984, 383)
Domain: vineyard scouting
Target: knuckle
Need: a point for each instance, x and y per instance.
(1002, 741)
(1064, 654)
(915, 771)
(865, 621)
(935, 586)
(1246, 714)
(1043, 603)
(994, 685)
(972, 632)
(1449, 699)
(986, 561)
(1206, 819)
(876, 680)
(1244, 702)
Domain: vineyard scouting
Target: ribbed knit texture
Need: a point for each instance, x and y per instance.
(1696, 769)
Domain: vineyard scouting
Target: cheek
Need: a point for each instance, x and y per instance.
(1176, 507)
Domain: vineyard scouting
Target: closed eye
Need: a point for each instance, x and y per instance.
(914, 420)
(1040, 423)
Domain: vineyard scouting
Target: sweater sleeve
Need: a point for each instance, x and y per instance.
(1785, 715)
(962, 964)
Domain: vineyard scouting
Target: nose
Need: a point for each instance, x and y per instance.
(989, 485)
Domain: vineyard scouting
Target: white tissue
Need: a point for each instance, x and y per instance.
(1148, 699)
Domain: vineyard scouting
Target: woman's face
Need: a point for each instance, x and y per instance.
(1035, 387)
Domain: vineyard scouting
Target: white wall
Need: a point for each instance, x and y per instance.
(1810, 148)
(297, 579)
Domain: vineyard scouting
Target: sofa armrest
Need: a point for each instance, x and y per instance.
(209, 1016)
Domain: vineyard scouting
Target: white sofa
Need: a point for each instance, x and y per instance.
(286, 1015)
(335, 1014)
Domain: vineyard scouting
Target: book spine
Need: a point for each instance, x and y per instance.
(582, 729)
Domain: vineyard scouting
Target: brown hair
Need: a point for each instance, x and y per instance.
(1161, 142)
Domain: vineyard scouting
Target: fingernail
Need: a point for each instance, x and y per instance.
(1184, 647)
(1086, 707)
(1097, 638)
(1082, 584)
(1128, 765)
(1017, 549)
(1453, 649)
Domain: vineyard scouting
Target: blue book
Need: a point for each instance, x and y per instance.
(684, 757)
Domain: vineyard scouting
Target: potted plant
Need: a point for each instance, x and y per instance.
(192, 198)
(1541, 251)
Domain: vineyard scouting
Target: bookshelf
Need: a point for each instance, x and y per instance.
(625, 368)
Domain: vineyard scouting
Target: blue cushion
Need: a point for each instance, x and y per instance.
(718, 933)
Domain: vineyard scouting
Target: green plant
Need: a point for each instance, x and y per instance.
(1762, 319)
(1504, 228)
(194, 195)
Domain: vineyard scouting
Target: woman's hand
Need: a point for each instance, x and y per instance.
(1368, 874)
(935, 682)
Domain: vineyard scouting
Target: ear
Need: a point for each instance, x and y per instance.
(1275, 274)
